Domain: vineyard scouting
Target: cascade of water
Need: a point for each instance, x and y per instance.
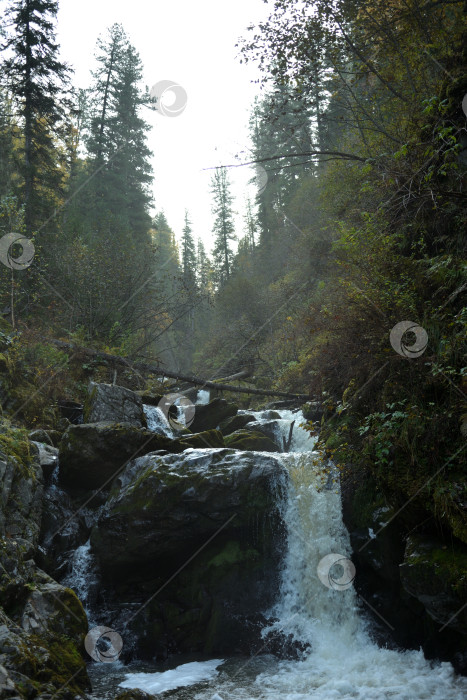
(83, 576)
(203, 396)
(339, 661)
(157, 421)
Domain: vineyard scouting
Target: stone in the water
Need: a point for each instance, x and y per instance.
(230, 425)
(108, 402)
(249, 440)
(218, 504)
(210, 415)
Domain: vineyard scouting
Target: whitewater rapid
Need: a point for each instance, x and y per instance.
(321, 615)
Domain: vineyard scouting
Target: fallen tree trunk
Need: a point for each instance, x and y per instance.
(155, 369)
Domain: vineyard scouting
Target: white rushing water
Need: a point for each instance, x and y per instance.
(203, 397)
(182, 676)
(318, 608)
(157, 421)
(83, 576)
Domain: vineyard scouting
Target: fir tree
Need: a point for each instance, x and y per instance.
(223, 225)
(36, 79)
(188, 252)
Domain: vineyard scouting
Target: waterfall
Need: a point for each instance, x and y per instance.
(307, 607)
(83, 578)
(202, 397)
(317, 609)
(323, 614)
(157, 421)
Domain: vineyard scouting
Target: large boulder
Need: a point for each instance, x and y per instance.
(210, 415)
(91, 454)
(47, 456)
(249, 440)
(112, 403)
(230, 425)
(267, 427)
(21, 492)
(212, 516)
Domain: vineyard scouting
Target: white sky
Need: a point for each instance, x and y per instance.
(193, 44)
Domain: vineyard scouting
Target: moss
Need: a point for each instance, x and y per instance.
(65, 662)
(88, 403)
(14, 443)
(448, 563)
(232, 553)
(251, 441)
(365, 501)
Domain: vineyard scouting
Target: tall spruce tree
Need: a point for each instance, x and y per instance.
(118, 196)
(36, 80)
(202, 266)
(223, 228)
(188, 252)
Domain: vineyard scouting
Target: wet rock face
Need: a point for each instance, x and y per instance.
(416, 583)
(117, 404)
(436, 574)
(210, 415)
(166, 504)
(21, 493)
(267, 427)
(250, 440)
(92, 453)
(47, 456)
(211, 516)
(42, 624)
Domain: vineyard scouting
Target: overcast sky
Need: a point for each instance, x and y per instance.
(192, 44)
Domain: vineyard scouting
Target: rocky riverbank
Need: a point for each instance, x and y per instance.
(173, 536)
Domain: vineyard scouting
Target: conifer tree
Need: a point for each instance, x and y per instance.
(188, 252)
(223, 225)
(36, 80)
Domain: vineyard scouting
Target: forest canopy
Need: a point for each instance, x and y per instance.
(359, 140)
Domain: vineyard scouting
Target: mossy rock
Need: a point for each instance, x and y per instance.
(210, 415)
(436, 574)
(230, 425)
(14, 442)
(113, 403)
(42, 665)
(251, 441)
(91, 454)
(208, 438)
(134, 694)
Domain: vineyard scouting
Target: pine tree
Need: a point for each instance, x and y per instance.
(202, 266)
(7, 129)
(118, 197)
(188, 252)
(223, 225)
(251, 225)
(36, 79)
